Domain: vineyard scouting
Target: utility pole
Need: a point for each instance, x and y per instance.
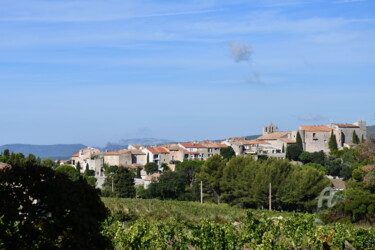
(201, 192)
(112, 181)
(270, 199)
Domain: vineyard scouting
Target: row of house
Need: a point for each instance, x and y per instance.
(271, 143)
(138, 155)
(314, 138)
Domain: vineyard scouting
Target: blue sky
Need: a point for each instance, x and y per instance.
(90, 72)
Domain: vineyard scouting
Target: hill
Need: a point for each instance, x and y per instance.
(55, 152)
(111, 146)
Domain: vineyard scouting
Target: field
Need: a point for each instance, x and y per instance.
(155, 224)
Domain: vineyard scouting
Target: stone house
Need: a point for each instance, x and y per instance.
(316, 138)
(213, 148)
(120, 158)
(195, 151)
(87, 157)
(157, 155)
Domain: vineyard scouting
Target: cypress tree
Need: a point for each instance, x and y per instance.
(355, 137)
(283, 149)
(148, 158)
(78, 167)
(332, 144)
(299, 141)
(363, 139)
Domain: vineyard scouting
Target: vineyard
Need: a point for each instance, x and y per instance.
(155, 224)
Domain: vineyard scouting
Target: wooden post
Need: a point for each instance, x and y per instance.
(201, 192)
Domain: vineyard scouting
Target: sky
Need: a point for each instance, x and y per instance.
(89, 71)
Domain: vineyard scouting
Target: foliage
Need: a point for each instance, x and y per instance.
(314, 157)
(293, 152)
(171, 185)
(227, 152)
(254, 230)
(78, 167)
(151, 168)
(122, 182)
(355, 137)
(332, 143)
(69, 171)
(44, 209)
(48, 163)
(211, 173)
(299, 141)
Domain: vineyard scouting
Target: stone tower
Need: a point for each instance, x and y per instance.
(269, 129)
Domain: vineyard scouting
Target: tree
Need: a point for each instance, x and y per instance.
(300, 188)
(164, 167)
(332, 144)
(151, 168)
(69, 171)
(171, 185)
(138, 174)
(299, 141)
(293, 152)
(355, 137)
(123, 183)
(211, 173)
(44, 209)
(48, 163)
(227, 152)
(78, 167)
(190, 168)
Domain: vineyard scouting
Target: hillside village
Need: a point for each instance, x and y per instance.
(272, 143)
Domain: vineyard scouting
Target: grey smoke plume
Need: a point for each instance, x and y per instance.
(240, 51)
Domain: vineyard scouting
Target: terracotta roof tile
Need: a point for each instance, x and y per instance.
(76, 155)
(250, 142)
(273, 136)
(287, 140)
(191, 145)
(118, 152)
(158, 150)
(345, 125)
(137, 152)
(338, 183)
(214, 145)
(316, 128)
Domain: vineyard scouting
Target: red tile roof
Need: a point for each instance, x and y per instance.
(194, 153)
(273, 136)
(287, 140)
(345, 125)
(76, 155)
(158, 150)
(192, 145)
(316, 128)
(137, 152)
(214, 145)
(254, 142)
(118, 152)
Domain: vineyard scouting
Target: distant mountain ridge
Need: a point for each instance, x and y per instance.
(111, 146)
(56, 152)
